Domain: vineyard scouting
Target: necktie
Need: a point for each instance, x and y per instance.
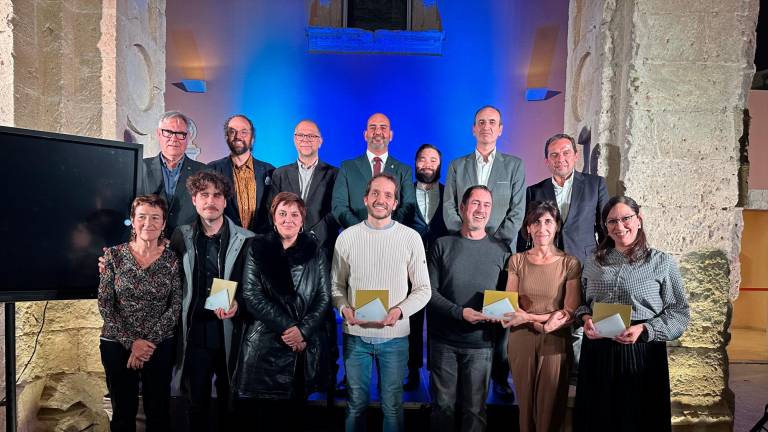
(376, 165)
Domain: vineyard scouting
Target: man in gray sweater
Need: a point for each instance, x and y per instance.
(462, 266)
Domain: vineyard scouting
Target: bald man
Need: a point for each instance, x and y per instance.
(348, 193)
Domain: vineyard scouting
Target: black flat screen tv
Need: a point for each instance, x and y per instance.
(66, 197)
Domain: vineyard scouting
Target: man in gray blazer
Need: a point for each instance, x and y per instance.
(348, 193)
(503, 174)
(162, 174)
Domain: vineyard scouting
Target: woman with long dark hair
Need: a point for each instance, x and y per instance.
(285, 355)
(623, 382)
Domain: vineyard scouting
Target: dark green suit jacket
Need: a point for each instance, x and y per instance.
(348, 192)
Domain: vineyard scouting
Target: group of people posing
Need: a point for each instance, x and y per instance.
(306, 237)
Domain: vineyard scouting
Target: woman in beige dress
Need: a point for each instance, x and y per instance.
(539, 349)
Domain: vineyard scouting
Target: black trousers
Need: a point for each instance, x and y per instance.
(123, 385)
(416, 341)
(201, 365)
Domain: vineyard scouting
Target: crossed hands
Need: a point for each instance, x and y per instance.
(294, 339)
(141, 352)
(393, 315)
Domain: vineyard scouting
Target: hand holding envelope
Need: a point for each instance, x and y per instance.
(498, 305)
(611, 320)
(371, 308)
(221, 299)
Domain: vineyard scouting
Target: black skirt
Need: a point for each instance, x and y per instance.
(622, 387)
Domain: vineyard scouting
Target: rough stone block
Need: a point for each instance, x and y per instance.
(689, 136)
(85, 28)
(669, 38)
(685, 87)
(698, 376)
(82, 119)
(686, 6)
(73, 314)
(681, 230)
(758, 199)
(57, 351)
(730, 38)
(707, 280)
(89, 356)
(648, 181)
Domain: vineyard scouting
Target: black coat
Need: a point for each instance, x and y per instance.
(281, 289)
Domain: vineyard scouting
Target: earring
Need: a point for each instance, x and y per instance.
(161, 238)
(133, 234)
(301, 229)
(529, 242)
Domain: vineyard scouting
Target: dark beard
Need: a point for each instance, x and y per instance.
(424, 178)
(237, 152)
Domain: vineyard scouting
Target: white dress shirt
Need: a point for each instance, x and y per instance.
(382, 157)
(427, 200)
(563, 196)
(483, 167)
(305, 177)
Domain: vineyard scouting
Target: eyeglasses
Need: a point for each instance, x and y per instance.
(306, 137)
(242, 132)
(169, 133)
(624, 220)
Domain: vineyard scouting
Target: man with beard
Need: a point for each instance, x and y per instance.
(429, 223)
(378, 254)
(461, 337)
(354, 174)
(162, 173)
(248, 206)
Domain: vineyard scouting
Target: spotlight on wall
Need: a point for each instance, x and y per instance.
(539, 94)
(191, 86)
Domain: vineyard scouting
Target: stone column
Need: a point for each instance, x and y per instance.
(656, 91)
(83, 67)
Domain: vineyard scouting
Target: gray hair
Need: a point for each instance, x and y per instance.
(191, 127)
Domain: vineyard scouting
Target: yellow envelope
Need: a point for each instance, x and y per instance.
(363, 297)
(600, 311)
(492, 296)
(223, 284)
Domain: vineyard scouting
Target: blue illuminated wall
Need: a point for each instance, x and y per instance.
(253, 56)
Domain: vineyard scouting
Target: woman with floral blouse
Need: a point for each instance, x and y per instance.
(140, 301)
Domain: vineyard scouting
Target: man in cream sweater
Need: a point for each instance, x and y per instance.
(378, 254)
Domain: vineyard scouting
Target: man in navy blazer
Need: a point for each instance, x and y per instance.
(245, 203)
(167, 173)
(348, 193)
(503, 174)
(580, 197)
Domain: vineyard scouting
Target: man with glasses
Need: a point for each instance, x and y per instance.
(163, 173)
(248, 206)
(580, 197)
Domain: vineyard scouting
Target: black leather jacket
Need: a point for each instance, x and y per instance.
(281, 289)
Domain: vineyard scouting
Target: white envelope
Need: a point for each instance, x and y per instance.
(372, 311)
(499, 308)
(611, 326)
(218, 300)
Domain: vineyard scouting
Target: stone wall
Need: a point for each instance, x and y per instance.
(83, 67)
(659, 88)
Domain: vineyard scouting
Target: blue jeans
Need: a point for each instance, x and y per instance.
(392, 360)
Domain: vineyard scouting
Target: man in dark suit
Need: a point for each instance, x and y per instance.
(580, 197)
(251, 178)
(430, 225)
(162, 174)
(313, 180)
(348, 193)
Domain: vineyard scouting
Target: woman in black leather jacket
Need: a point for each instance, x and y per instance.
(284, 355)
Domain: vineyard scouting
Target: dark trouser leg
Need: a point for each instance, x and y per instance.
(123, 385)
(443, 384)
(416, 341)
(500, 365)
(156, 387)
(474, 366)
(199, 366)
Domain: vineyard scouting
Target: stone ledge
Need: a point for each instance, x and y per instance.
(757, 199)
(358, 41)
